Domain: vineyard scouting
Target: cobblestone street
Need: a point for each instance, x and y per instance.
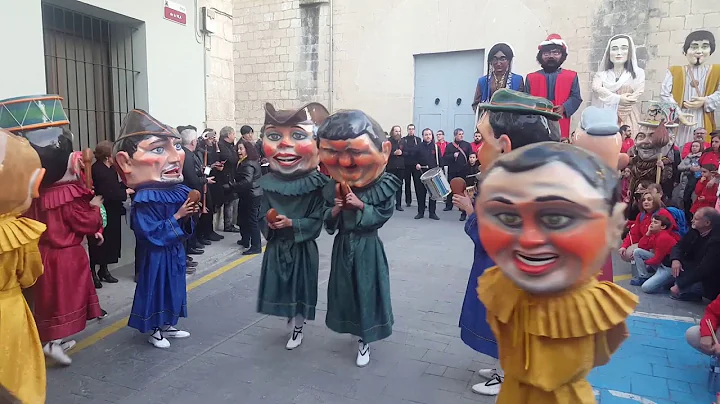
(236, 355)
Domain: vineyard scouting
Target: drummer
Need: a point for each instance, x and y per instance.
(427, 157)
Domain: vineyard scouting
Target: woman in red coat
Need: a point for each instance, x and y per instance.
(650, 205)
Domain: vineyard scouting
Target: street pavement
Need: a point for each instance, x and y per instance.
(236, 355)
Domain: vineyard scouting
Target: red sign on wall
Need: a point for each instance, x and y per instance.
(175, 12)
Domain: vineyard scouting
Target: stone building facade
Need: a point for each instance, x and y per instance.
(360, 54)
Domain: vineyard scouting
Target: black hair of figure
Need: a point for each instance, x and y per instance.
(624, 128)
(548, 48)
(190, 127)
(585, 163)
(54, 146)
(523, 129)
(128, 144)
(351, 124)
(701, 35)
(508, 52)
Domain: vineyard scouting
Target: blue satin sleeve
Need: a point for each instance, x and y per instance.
(471, 229)
(151, 226)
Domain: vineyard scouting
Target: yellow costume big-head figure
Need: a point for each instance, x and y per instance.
(20, 174)
(552, 319)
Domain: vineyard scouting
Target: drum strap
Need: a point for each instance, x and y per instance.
(437, 154)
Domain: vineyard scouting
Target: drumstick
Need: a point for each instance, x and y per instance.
(712, 331)
(87, 156)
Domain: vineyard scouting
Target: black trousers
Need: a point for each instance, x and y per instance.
(249, 212)
(687, 196)
(423, 196)
(400, 174)
(410, 176)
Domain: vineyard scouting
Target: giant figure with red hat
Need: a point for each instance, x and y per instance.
(65, 296)
(560, 86)
(149, 159)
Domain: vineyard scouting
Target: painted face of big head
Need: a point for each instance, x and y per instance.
(551, 57)
(644, 146)
(698, 47)
(291, 150)
(618, 51)
(353, 147)
(155, 160)
(547, 235)
(289, 139)
(20, 174)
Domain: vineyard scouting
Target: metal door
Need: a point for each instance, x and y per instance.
(444, 91)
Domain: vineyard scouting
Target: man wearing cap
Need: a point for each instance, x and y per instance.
(560, 86)
(149, 159)
(291, 215)
(510, 120)
(65, 296)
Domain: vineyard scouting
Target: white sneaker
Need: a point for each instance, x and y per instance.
(158, 340)
(67, 345)
(295, 339)
(172, 332)
(363, 356)
(55, 351)
(490, 387)
(488, 373)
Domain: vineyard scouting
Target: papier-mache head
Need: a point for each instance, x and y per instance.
(549, 235)
(289, 138)
(147, 152)
(20, 174)
(353, 148)
(599, 133)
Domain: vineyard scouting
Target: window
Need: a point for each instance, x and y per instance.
(89, 62)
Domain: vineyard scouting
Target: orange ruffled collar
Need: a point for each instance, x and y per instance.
(16, 232)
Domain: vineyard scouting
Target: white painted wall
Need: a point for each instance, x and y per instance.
(171, 57)
(23, 70)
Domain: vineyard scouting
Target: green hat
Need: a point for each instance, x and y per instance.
(140, 123)
(32, 112)
(505, 100)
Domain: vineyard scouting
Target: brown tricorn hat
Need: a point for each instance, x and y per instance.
(310, 114)
(140, 123)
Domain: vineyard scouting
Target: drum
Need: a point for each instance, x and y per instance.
(436, 183)
(32, 112)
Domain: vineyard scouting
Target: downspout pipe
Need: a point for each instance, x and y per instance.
(331, 83)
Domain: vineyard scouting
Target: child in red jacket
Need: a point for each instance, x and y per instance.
(653, 252)
(706, 188)
(700, 336)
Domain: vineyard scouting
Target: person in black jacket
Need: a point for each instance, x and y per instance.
(411, 175)
(396, 162)
(107, 184)
(193, 178)
(206, 151)
(246, 176)
(696, 259)
(228, 156)
(456, 158)
(427, 158)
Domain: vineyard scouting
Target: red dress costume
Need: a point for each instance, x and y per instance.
(65, 295)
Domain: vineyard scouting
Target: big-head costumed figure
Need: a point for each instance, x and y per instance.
(695, 87)
(510, 120)
(652, 155)
(554, 321)
(291, 215)
(65, 296)
(149, 159)
(22, 365)
(619, 81)
(361, 199)
(499, 74)
(561, 86)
